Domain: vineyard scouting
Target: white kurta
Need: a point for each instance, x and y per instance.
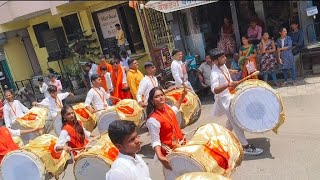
(222, 100)
(107, 76)
(64, 137)
(177, 73)
(98, 98)
(128, 168)
(11, 113)
(54, 106)
(146, 85)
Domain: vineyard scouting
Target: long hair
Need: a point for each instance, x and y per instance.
(77, 126)
(151, 106)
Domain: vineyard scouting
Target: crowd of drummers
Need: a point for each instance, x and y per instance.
(115, 80)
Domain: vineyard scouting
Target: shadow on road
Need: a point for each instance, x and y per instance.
(263, 143)
(147, 151)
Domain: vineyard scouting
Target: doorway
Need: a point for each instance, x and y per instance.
(32, 55)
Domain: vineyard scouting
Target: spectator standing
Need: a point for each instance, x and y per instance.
(55, 82)
(226, 41)
(248, 54)
(254, 32)
(43, 87)
(120, 38)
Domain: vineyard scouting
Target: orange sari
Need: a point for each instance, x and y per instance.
(6, 142)
(243, 62)
(117, 78)
(104, 63)
(104, 82)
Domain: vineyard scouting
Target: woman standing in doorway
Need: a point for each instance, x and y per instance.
(248, 54)
(286, 59)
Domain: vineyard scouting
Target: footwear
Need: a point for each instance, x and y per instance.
(295, 83)
(284, 83)
(276, 84)
(252, 151)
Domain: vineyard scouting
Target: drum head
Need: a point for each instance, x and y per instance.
(57, 125)
(21, 165)
(181, 164)
(256, 109)
(90, 167)
(25, 137)
(106, 119)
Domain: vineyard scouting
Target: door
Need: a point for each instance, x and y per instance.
(6, 79)
(32, 56)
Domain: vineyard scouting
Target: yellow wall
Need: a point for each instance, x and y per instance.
(17, 59)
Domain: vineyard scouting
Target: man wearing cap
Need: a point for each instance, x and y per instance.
(134, 77)
(97, 96)
(221, 82)
(147, 84)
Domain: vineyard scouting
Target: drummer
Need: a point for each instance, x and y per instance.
(73, 135)
(97, 96)
(128, 164)
(6, 142)
(13, 109)
(221, 82)
(162, 123)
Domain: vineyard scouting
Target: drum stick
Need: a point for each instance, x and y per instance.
(250, 76)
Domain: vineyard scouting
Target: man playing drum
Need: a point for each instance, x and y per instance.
(128, 164)
(163, 124)
(221, 83)
(97, 96)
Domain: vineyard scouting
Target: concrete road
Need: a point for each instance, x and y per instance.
(292, 154)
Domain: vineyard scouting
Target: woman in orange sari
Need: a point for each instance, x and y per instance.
(119, 81)
(248, 54)
(73, 135)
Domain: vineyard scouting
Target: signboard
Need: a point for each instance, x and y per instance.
(171, 6)
(107, 20)
(311, 11)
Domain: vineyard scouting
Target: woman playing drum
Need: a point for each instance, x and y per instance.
(73, 134)
(163, 124)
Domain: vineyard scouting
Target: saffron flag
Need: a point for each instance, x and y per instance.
(133, 4)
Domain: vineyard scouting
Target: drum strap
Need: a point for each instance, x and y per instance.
(13, 109)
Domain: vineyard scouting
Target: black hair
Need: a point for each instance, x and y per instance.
(118, 130)
(52, 89)
(123, 53)
(113, 62)
(175, 51)
(40, 79)
(9, 91)
(245, 36)
(117, 25)
(131, 61)
(102, 57)
(103, 68)
(148, 64)
(150, 106)
(51, 76)
(92, 62)
(94, 77)
(77, 125)
(216, 53)
(88, 64)
(295, 22)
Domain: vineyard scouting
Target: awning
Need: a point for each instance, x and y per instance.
(171, 6)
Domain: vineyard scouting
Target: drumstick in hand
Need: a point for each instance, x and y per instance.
(249, 77)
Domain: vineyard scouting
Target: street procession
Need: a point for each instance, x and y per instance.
(119, 97)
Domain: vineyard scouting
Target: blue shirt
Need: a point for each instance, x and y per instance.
(235, 65)
(297, 39)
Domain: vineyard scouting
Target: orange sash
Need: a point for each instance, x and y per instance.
(104, 63)
(6, 142)
(116, 78)
(74, 136)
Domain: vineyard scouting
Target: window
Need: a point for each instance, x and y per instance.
(71, 26)
(38, 29)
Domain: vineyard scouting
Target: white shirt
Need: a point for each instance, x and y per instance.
(109, 81)
(98, 98)
(93, 70)
(64, 137)
(11, 113)
(154, 129)
(282, 42)
(177, 73)
(44, 90)
(54, 105)
(206, 69)
(222, 100)
(128, 168)
(146, 85)
(124, 62)
(14, 132)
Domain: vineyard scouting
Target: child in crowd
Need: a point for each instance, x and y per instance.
(235, 66)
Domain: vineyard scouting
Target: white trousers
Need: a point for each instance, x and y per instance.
(231, 125)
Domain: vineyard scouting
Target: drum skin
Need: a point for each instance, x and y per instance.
(88, 119)
(256, 107)
(96, 162)
(202, 176)
(190, 107)
(212, 149)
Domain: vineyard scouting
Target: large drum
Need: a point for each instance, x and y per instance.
(89, 120)
(256, 107)
(96, 162)
(212, 149)
(126, 109)
(35, 118)
(202, 176)
(190, 107)
(36, 161)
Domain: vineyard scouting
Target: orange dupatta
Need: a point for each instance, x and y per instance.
(104, 63)
(104, 82)
(116, 78)
(6, 142)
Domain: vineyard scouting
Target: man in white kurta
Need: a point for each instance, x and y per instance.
(220, 83)
(13, 110)
(148, 82)
(179, 71)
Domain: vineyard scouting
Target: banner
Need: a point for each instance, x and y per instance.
(171, 6)
(108, 20)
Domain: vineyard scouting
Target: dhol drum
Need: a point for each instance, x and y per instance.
(18, 141)
(202, 176)
(36, 161)
(213, 149)
(126, 109)
(35, 118)
(190, 107)
(256, 107)
(89, 120)
(96, 162)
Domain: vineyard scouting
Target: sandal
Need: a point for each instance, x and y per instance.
(295, 83)
(284, 83)
(277, 84)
